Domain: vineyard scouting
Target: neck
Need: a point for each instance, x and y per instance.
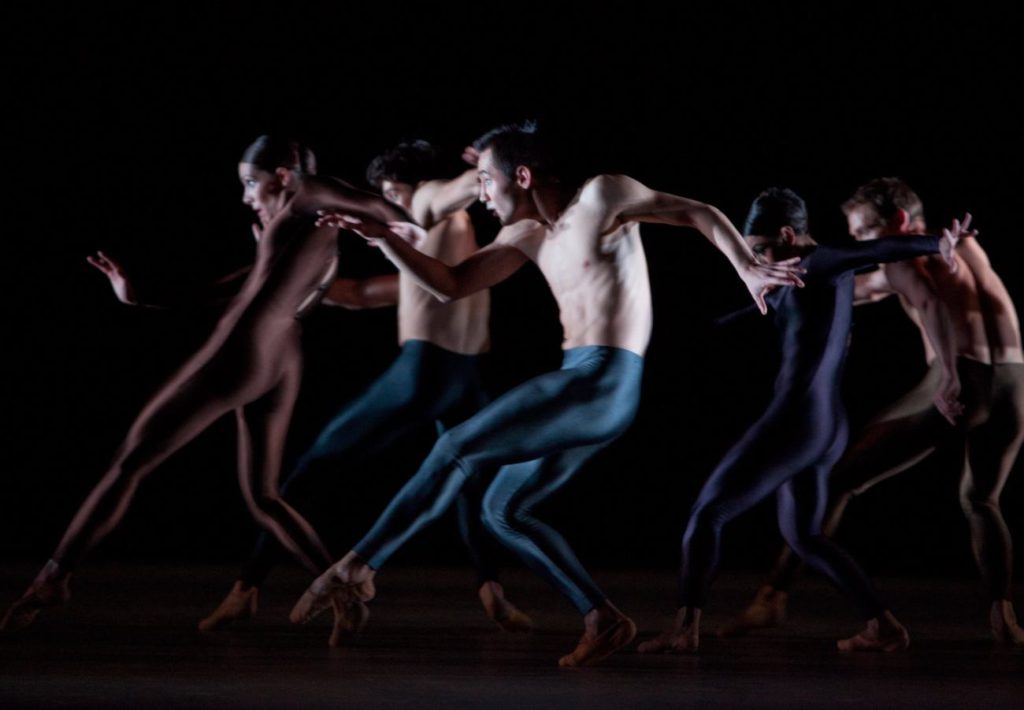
(551, 200)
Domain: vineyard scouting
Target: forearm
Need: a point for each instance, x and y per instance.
(431, 274)
(357, 294)
(714, 225)
(178, 296)
(334, 194)
(890, 249)
(436, 201)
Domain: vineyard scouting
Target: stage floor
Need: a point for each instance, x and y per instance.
(129, 639)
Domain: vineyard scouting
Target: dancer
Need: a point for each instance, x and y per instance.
(585, 240)
(251, 365)
(435, 379)
(791, 448)
(972, 341)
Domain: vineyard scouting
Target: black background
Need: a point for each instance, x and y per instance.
(124, 126)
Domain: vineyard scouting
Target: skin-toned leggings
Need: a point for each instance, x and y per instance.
(255, 375)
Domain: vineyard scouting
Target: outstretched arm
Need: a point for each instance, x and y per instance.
(126, 292)
(357, 294)
(847, 257)
(483, 269)
(629, 200)
(333, 194)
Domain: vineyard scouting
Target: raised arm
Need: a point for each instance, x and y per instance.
(436, 199)
(357, 294)
(629, 200)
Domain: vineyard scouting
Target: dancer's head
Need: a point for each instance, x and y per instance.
(269, 170)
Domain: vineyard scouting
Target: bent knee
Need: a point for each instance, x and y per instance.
(803, 542)
(264, 505)
(976, 503)
(710, 515)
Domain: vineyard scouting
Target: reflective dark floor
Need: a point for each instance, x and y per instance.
(128, 639)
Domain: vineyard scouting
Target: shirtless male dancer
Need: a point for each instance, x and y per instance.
(435, 379)
(251, 364)
(586, 241)
(791, 448)
(972, 342)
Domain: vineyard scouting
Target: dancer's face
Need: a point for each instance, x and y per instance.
(397, 193)
(263, 191)
(765, 247)
(865, 223)
(502, 195)
(779, 248)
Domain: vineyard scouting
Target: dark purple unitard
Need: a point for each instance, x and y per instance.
(792, 447)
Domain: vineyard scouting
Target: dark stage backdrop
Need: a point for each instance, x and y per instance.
(125, 125)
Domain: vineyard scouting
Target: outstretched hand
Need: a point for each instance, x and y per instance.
(373, 232)
(471, 155)
(411, 233)
(762, 277)
(119, 282)
(951, 236)
(370, 230)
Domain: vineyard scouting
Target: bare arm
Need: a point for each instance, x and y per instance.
(127, 293)
(629, 200)
(334, 194)
(357, 294)
(437, 199)
(483, 269)
(871, 287)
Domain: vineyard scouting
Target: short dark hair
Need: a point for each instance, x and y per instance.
(524, 143)
(271, 152)
(886, 195)
(409, 162)
(775, 208)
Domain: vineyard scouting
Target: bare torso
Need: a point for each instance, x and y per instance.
(459, 326)
(957, 301)
(1002, 326)
(973, 300)
(597, 271)
(294, 259)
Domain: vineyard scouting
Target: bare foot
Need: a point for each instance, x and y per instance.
(768, 610)
(1003, 620)
(240, 603)
(350, 618)
(606, 630)
(349, 579)
(683, 636)
(883, 633)
(501, 611)
(48, 589)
